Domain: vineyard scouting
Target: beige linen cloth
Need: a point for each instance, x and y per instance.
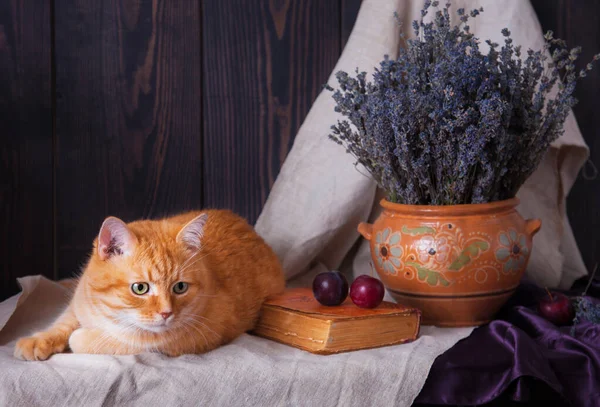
(251, 371)
(310, 220)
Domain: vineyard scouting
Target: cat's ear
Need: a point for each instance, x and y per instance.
(115, 239)
(191, 234)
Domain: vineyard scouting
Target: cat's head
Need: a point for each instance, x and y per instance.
(149, 275)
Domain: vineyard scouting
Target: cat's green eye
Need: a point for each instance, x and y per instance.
(180, 287)
(140, 288)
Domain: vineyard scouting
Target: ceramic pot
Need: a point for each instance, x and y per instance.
(458, 264)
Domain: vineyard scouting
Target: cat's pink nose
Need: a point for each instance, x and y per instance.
(165, 315)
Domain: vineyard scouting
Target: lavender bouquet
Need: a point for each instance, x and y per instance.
(446, 124)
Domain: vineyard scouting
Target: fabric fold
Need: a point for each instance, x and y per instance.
(521, 357)
(320, 190)
(250, 371)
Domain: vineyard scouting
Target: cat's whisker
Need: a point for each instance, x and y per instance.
(99, 342)
(211, 296)
(185, 267)
(185, 263)
(171, 339)
(192, 316)
(189, 262)
(204, 325)
(210, 330)
(188, 331)
(199, 331)
(110, 332)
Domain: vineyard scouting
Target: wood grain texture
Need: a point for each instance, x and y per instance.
(578, 22)
(25, 142)
(130, 112)
(264, 64)
(128, 116)
(349, 12)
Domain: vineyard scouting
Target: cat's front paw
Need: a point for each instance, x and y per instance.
(39, 347)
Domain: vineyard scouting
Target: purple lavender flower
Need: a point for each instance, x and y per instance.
(447, 124)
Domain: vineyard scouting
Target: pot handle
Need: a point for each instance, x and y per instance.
(532, 226)
(365, 229)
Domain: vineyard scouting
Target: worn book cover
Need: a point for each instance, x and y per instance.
(296, 318)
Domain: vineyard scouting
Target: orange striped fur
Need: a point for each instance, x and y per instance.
(229, 271)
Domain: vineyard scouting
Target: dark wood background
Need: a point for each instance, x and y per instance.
(141, 108)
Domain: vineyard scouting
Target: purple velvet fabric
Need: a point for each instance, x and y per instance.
(520, 357)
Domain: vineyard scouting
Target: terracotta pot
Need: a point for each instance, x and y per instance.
(458, 264)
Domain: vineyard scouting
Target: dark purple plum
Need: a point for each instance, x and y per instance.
(367, 292)
(330, 288)
(556, 308)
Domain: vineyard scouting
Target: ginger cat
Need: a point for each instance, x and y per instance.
(185, 284)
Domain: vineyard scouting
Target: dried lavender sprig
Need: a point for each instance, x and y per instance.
(584, 308)
(446, 124)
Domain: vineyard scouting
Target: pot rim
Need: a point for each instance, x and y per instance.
(451, 210)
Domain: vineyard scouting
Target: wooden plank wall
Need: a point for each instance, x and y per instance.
(26, 143)
(128, 116)
(145, 108)
(264, 64)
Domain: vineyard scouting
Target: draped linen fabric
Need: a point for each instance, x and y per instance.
(319, 197)
(250, 371)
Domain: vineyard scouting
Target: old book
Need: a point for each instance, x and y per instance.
(295, 318)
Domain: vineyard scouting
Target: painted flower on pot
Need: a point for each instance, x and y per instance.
(436, 248)
(388, 251)
(513, 251)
